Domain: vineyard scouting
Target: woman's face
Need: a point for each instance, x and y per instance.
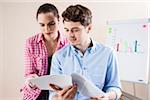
(48, 25)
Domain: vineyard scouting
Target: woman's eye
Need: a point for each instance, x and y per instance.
(50, 24)
(42, 25)
(67, 30)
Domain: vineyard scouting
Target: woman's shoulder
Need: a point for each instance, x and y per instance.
(34, 39)
(62, 40)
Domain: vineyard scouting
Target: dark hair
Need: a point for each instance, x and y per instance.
(47, 7)
(78, 13)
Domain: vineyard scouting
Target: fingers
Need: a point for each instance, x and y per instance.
(99, 98)
(71, 92)
(64, 91)
(29, 84)
(55, 87)
(94, 98)
(33, 86)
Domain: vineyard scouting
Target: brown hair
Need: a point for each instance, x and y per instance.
(78, 13)
(47, 7)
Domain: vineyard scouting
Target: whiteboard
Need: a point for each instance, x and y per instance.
(131, 41)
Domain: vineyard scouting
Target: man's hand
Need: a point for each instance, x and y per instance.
(111, 95)
(67, 93)
(99, 98)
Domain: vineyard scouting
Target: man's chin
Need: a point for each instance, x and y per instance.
(72, 43)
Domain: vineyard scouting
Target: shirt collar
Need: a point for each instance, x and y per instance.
(40, 37)
(93, 48)
(61, 40)
(90, 49)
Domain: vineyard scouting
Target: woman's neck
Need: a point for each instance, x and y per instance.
(51, 40)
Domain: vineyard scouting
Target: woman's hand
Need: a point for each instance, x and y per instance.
(31, 85)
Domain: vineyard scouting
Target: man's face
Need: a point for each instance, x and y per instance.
(76, 33)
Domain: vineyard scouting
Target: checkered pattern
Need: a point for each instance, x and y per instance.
(36, 62)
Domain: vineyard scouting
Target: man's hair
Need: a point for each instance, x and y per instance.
(47, 7)
(78, 13)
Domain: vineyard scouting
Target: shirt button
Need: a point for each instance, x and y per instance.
(84, 68)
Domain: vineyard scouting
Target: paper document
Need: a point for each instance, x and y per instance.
(59, 80)
(84, 86)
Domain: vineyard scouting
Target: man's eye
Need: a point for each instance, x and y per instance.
(75, 30)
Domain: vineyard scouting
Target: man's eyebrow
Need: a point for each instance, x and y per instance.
(75, 28)
(72, 28)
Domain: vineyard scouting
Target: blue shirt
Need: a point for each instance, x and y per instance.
(98, 64)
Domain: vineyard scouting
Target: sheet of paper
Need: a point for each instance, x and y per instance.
(59, 80)
(86, 87)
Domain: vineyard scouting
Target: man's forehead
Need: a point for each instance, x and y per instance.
(71, 25)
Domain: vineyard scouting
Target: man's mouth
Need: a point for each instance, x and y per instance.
(72, 39)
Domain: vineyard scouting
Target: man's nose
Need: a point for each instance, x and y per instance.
(71, 34)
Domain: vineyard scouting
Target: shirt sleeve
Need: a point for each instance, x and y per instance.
(112, 82)
(56, 64)
(29, 93)
(55, 70)
(29, 60)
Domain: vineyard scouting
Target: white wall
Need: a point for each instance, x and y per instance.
(1, 51)
(19, 23)
(103, 11)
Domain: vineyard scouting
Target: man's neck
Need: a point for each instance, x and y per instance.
(86, 45)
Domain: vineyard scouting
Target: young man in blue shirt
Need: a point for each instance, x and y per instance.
(85, 56)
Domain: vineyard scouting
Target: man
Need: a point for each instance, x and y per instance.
(85, 56)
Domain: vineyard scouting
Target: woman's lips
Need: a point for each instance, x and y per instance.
(48, 33)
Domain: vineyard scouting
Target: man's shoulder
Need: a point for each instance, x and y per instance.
(63, 51)
(103, 47)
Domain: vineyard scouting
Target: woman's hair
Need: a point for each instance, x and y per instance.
(78, 13)
(47, 7)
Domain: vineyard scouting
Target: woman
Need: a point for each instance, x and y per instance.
(39, 50)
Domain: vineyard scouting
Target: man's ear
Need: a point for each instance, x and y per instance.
(89, 28)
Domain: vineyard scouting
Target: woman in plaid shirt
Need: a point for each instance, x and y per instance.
(39, 50)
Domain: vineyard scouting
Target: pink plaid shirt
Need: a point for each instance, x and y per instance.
(36, 61)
